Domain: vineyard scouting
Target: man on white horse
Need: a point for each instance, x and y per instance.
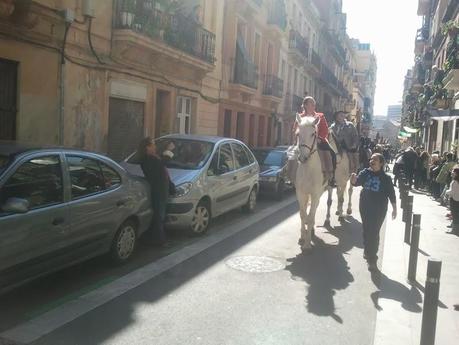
(347, 139)
(326, 153)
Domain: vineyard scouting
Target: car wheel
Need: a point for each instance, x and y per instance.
(280, 190)
(201, 219)
(124, 242)
(249, 207)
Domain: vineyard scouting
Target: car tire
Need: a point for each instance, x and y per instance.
(124, 243)
(201, 219)
(251, 204)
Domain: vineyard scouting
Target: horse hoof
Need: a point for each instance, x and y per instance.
(336, 213)
(301, 241)
(349, 212)
(341, 219)
(306, 250)
(327, 224)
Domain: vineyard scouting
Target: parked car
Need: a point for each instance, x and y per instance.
(273, 170)
(61, 206)
(213, 175)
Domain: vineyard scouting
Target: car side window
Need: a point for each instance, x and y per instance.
(213, 167)
(240, 156)
(225, 162)
(85, 176)
(111, 178)
(249, 155)
(39, 181)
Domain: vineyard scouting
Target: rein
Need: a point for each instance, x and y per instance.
(312, 149)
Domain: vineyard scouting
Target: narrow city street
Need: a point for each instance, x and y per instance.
(253, 287)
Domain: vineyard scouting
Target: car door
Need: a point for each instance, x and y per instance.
(222, 179)
(33, 242)
(244, 173)
(97, 209)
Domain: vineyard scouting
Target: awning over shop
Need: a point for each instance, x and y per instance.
(410, 130)
(443, 114)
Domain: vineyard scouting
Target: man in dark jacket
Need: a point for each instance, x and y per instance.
(409, 163)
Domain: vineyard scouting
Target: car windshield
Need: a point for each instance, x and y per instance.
(4, 161)
(269, 158)
(181, 153)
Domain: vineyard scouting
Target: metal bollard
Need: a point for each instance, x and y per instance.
(414, 246)
(403, 198)
(409, 218)
(429, 312)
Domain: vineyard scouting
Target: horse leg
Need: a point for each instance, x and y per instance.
(312, 216)
(349, 204)
(340, 192)
(303, 203)
(329, 205)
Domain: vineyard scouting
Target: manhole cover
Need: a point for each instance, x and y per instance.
(255, 264)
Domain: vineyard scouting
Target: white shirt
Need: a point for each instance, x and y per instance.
(453, 190)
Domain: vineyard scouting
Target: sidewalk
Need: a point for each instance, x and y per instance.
(400, 305)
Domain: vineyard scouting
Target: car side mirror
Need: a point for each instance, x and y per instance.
(15, 205)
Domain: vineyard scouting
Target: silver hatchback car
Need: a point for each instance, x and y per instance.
(59, 207)
(213, 175)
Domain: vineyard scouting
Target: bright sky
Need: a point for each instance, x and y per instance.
(390, 27)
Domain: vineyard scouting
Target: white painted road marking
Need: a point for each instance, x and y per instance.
(44, 324)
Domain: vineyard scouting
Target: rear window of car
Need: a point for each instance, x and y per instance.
(4, 161)
(269, 158)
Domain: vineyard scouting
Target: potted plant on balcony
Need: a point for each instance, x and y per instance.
(440, 98)
(127, 13)
(451, 28)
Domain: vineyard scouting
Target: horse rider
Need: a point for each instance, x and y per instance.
(347, 139)
(326, 153)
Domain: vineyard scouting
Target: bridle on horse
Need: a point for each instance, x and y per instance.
(312, 149)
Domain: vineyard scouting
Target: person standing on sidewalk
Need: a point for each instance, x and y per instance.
(160, 186)
(377, 189)
(453, 193)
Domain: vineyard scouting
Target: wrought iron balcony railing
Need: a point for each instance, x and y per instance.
(298, 42)
(177, 29)
(315, 59)
(274, 86)
(278, 14)
(244, 72)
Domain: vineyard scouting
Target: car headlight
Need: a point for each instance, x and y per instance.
(183, 189)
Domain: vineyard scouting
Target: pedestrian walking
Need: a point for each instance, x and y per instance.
(453, 193)
(160, 186)
(377, 189)
(410, 158)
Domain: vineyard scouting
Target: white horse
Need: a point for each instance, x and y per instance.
(342, 177)
(310, 182)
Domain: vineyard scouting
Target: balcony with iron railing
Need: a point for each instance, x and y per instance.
(329, 77)
(298, 44)
(315, 60)
(274, 86)
(422, 35)
(278, 15)
(244, 72)
(173, 28)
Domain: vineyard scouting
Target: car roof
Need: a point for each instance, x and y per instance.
(279, 149)
(14, 148)
(208, 138)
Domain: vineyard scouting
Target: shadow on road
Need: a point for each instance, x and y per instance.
(325, 269)
(121, 313)
(392, 289)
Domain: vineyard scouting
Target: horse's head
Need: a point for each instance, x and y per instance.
(307, 136)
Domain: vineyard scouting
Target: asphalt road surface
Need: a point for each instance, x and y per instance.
(246, 282)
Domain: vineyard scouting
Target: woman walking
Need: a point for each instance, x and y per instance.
(158, 178)
(453, 193)
(377, 189)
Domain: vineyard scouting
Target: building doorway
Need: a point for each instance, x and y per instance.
(125, 127)
(227, 124)
(8, 99)
(163, 109)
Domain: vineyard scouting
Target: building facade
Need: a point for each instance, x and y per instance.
(430, 103)
(100, 75)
